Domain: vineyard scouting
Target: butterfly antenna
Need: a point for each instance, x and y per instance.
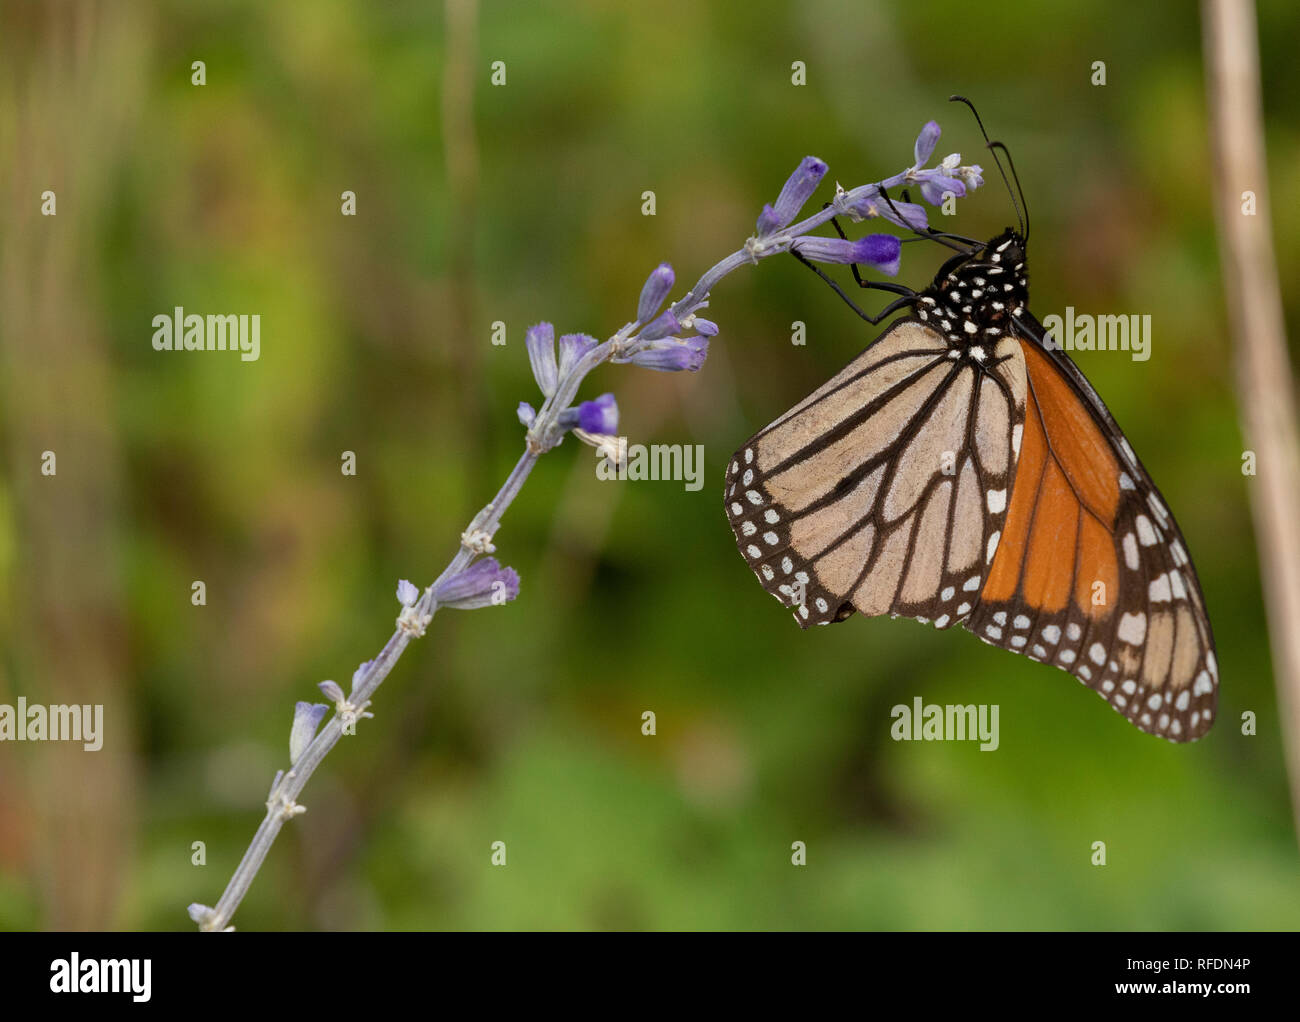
(1022, 212)
(1016, 178)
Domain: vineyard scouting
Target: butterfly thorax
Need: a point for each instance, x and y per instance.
(974, 296)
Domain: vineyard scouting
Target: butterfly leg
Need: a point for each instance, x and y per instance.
(957, 242)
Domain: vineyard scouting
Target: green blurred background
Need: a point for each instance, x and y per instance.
(518, 203)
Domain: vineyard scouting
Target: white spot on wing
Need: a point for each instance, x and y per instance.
(1131, 552)
(1133, 629)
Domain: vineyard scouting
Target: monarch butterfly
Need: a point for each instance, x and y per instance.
(962, 471)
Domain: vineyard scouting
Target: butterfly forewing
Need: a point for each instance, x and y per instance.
(884, 490)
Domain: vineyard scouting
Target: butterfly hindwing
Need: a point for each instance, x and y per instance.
(884, 490)
(1092, 574)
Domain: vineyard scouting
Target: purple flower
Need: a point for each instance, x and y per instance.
(879, 250)
(332, 691)
(797, 191)
(407, 594)
(925, 143)
(665, 326)
(671, 355)
(201, 914)
(526, 414)
(935, 186)
(540, 340)
(656, 289)
(599, 416)
(867, 202)
(934, 183)
(705, 326)
(306, 719)
(484, 583)
(572, 348)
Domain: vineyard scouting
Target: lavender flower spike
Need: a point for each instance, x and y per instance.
(879, 250)
(796, 193)
(656, 289)
(306, 719)
(484, 583)
(540, 341)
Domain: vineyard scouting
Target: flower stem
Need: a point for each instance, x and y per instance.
(544, 433)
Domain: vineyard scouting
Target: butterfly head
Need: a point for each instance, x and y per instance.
(976, 294)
